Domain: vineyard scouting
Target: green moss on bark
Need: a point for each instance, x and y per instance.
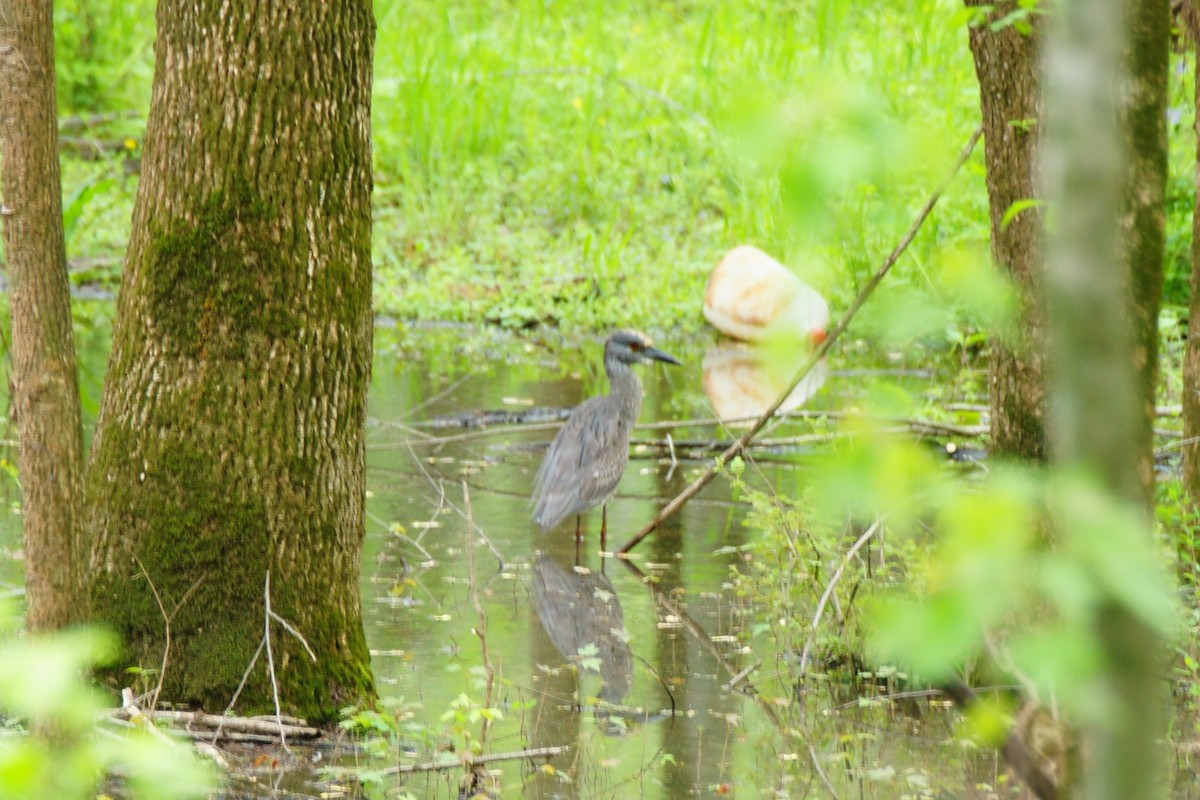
(230, 438)
(207, 288)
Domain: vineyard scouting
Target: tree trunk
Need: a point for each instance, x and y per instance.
(230, 442)
(1191, 361)
(1144, 140)
(1006, 64)
(45, 389)
(1106, 162)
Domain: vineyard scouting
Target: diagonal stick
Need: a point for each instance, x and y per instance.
(737, 447)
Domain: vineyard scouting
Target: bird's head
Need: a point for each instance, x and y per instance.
(633, 347)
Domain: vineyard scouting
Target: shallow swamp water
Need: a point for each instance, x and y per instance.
(593, 677)
(640, 669)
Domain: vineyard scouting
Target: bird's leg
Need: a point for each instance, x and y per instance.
(578, 538)
(604, 528)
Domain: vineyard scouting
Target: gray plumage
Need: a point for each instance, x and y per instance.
(588, 456)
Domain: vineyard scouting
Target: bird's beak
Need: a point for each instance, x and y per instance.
(659, 355)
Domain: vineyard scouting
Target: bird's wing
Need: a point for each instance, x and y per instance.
(584, 463)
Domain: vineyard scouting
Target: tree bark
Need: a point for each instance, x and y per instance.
(231, 434)
(1191, 361)
(45, 389)
(1006, 64)
(1106, 76)
(1144, 140)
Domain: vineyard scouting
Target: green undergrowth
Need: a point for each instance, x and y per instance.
(891, 568)
(586, 165)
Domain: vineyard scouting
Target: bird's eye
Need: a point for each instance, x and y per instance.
(635, 346)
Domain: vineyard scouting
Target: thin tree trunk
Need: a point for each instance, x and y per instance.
(231, 435)
(1144, 139)
(1099, 282)
(45, 390)
(1006, 64)
(1191, 361)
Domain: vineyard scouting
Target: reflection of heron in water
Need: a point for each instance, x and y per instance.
(582, 610)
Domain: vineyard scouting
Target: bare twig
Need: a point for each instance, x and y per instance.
(816, 762)
(829, 588)
(245, 677)
(292, 630)
(443, 393)
(167, 619)
(741, 676)
(441, 490)
(703, 638)
(271, 657)
(1017, 752)
(403, 537)
(1178, 444)
(813, 360)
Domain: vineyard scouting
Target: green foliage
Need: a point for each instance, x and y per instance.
(401, 729)
(562, 164)
(1003, 573)
(42, 681)
(1024, 570)
(587, 166)
(105, 54)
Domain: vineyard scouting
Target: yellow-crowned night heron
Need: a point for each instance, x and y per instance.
(587, 458)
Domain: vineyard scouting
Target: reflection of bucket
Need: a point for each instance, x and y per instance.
(738, 383)
(751, 296)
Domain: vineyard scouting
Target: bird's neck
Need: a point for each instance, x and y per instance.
(626, 388)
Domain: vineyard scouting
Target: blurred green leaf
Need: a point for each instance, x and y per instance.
(1112, 539)
(1064, 660)
(41, 677)
(160, 769)
(930, 638)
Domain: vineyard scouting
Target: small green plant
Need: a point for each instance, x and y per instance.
(462, 719)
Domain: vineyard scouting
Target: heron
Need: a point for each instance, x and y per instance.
(585, 461)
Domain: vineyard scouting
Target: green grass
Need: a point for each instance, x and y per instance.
(585, 165)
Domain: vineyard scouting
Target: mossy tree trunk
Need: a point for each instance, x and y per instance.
(1191, 362)
(230, 442)
(1144, 221)
(1006, 64)
(45, 391)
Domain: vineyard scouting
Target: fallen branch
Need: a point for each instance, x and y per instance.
(509, 426)
(471, 761)
(813, 360)
(207, 724)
